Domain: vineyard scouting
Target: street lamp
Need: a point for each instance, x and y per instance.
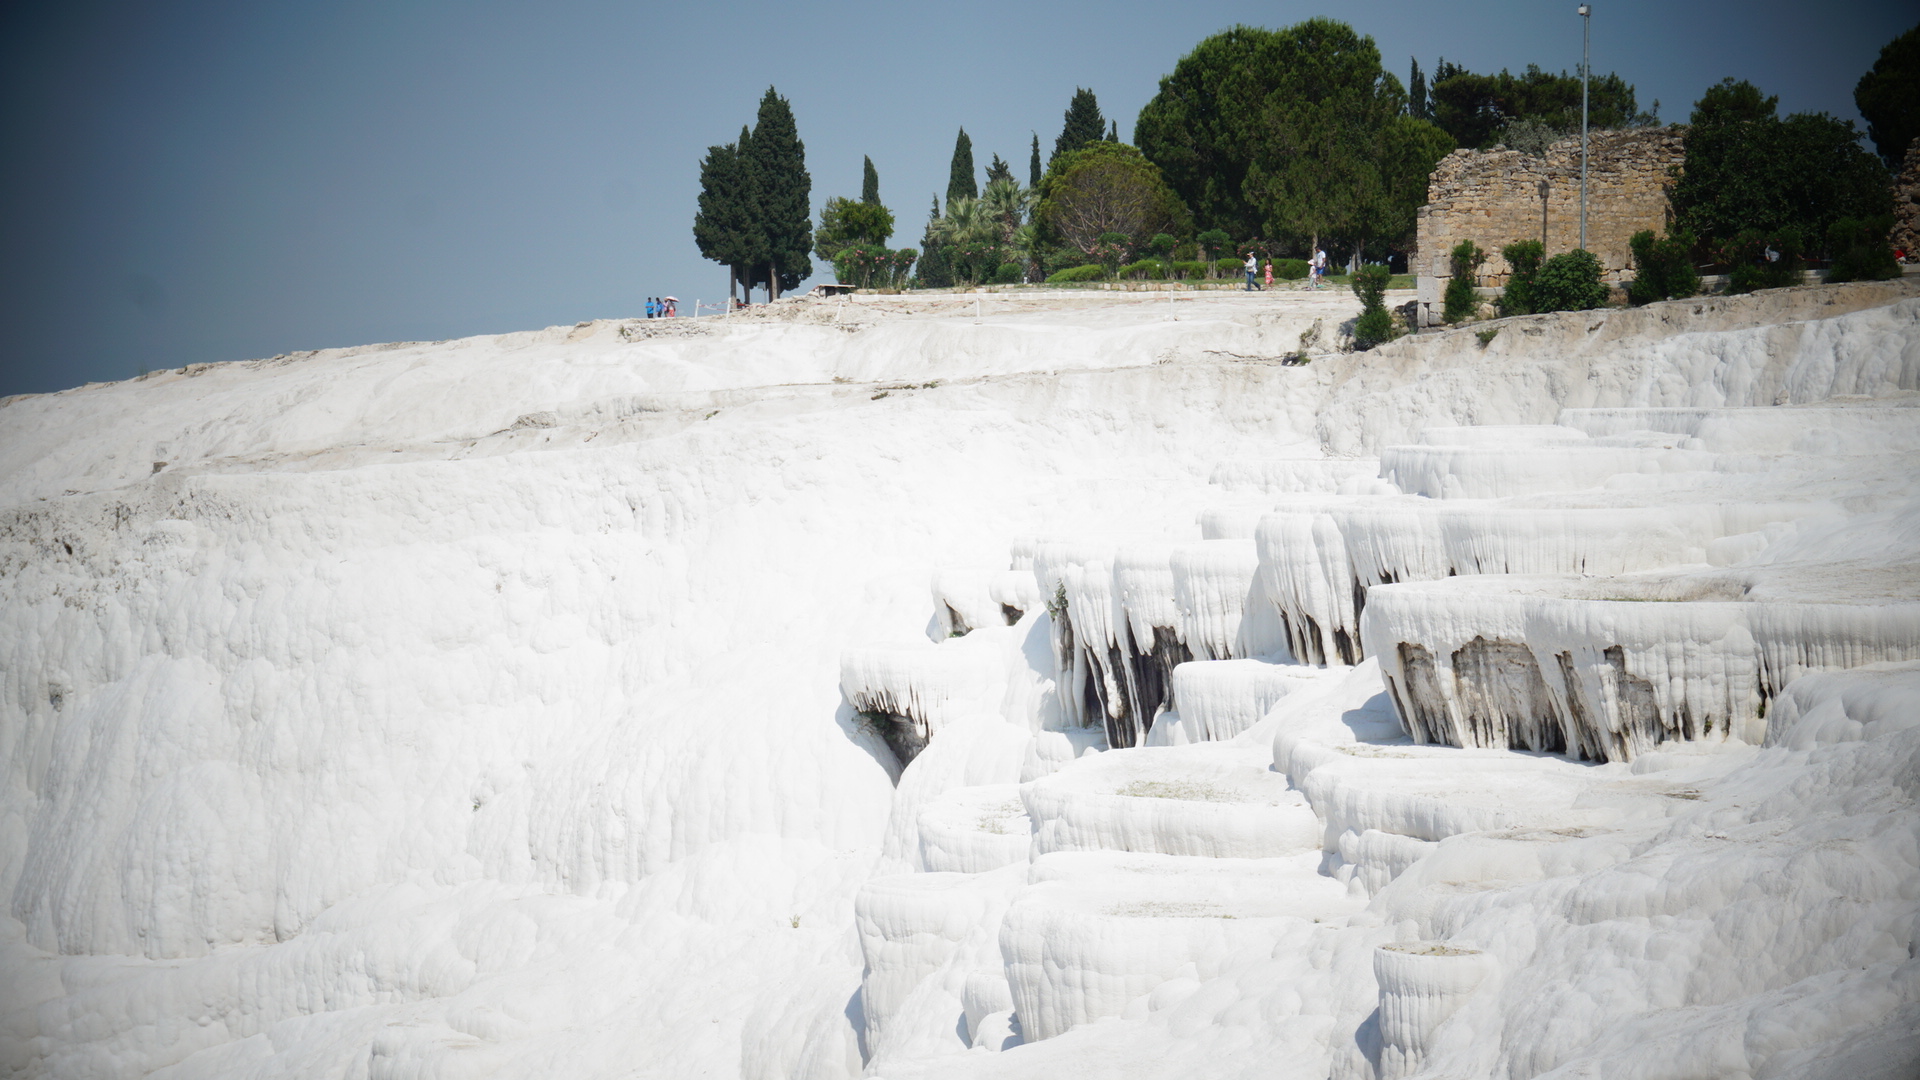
(1586, 66)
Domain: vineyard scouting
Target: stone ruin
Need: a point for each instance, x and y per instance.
(1495, 197)
(1906, 204)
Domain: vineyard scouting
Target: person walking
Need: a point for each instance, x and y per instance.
(1253, 267)
(1318, 266)
(1269, 283)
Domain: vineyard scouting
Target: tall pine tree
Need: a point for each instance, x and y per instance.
(1417, 92)
(869, 183)
(726, 228)
(1084, 124)
(933, 270)
(998, 170)
(779, 162)
(1033, 163)
(960, 182)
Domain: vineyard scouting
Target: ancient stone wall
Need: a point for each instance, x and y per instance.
(1906, 205)
(1495, 197)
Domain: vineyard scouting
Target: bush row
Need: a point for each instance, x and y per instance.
(1152, 269)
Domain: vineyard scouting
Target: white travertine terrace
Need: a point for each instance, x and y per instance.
(563, 704)
(1548, 642)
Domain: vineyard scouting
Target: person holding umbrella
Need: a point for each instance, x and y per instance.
(669, 306)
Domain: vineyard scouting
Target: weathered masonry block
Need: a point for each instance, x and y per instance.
(1906, 203)
(1495, 197)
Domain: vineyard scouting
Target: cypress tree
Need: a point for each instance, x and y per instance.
(1417, 92)
(1113, 135)
(726, 227)
(779, 161)
(932, 270)
(1084, 124)
(1033, 163)
(960, 183)
(869, 184)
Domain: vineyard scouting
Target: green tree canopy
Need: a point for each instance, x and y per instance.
(1198, 128)
(1407, 150)
(1747, 169)
(1291, 134)
(845, 223)
(935, 269)
(1417, 106)
(1888, 96)
(779, 162)
(726, 227)
(1008, 204)
(1083, 124)
(960, 182)
(1314, 173)
(1729, 101)
(1107, 187)
(1476, 109)
(869, 182)
(998, 170)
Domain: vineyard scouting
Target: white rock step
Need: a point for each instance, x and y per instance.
(1217, 700)
(1287, 475)
(974, 829)
(1096, 930)
(1204, 800)
(1609, 668)
(921, 937)
(1866, 426)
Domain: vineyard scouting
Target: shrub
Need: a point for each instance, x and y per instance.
(1861, 251)
(1289, 269)
(1523, 260)
(1145, 270)
(1192, 271)
(1664, 268)
(1074, 275)
(1228, 268)
(1110, 249)
(1460, 301)
(1162, 245)
(1750, 267)
(1375, 325)
(1570, 281)
(873, 266)
(1008, 274)
(1213, 241)
(1061, 259)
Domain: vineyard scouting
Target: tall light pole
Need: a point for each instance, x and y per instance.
(1586, 67)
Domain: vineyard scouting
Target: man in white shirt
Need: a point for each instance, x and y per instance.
(1253, 267)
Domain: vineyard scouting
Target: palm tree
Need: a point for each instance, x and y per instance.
(972, 233)
(1026, 241)
(1008, 204)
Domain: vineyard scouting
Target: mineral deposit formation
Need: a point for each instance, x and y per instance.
(1051, 688)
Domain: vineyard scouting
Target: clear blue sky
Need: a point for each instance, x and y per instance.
(196, 181)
